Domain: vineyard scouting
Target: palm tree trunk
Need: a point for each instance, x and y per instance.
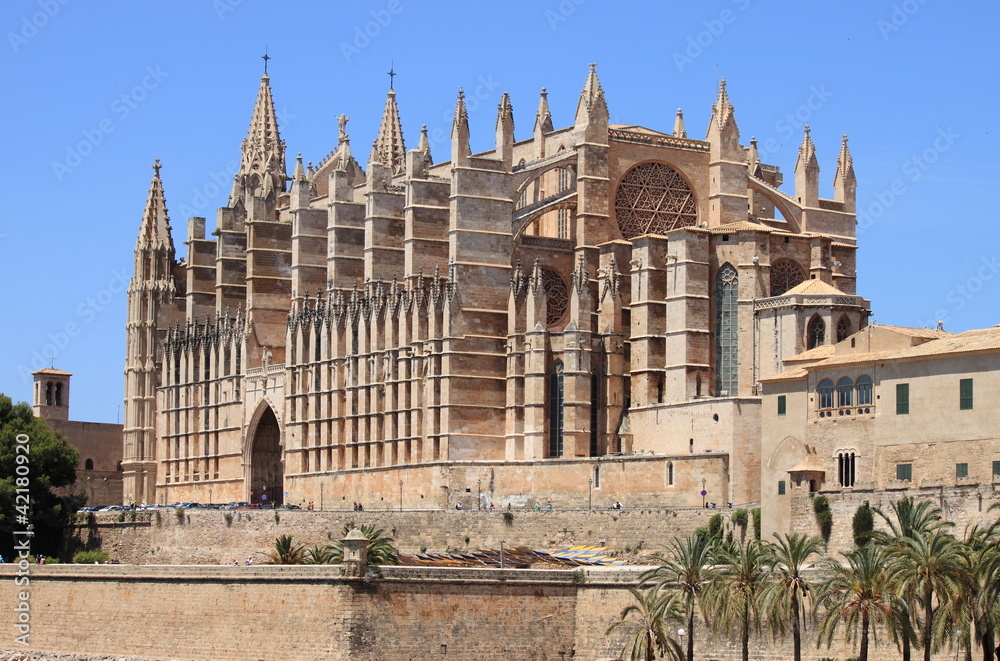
(746, 632)
(863, 652)
(987, 642)
(928, 621)
(906, 644)
(690, 641)
(796, 635)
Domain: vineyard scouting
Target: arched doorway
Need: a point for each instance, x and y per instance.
(267, 475)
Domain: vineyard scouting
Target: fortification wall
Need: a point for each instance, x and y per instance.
(313, 614)
(963, 505)
(208, 537)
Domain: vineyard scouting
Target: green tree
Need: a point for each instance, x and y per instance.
(48, 463)
(863, 524)
(858, 596)
(381, 550)
(786, 596)
(975, 611)
(286, 552)
(685, 574)
(734, 597)
(928, 565)
(319, 555)
(908, 518)
(648, 620)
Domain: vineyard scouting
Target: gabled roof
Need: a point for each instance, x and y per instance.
(51, 371)
(814, 287)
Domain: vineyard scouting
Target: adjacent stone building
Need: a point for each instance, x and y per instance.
(99, 473)
(585, 312)
(885, 410)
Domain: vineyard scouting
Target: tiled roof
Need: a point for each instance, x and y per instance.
(53, 371)
(741, 226)
(814, 287)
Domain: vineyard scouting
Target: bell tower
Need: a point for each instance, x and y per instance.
(50, 397)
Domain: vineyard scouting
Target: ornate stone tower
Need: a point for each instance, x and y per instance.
(151, 308)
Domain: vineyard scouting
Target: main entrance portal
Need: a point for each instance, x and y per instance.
(267, 476)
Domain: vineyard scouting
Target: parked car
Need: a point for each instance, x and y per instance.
(236, 505)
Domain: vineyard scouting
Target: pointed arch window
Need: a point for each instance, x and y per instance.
(726, 332)
(556, 393)
(846, 468)
(48, 393)
(843, 328)
(785, 274)
(816, 332)
(595, 410)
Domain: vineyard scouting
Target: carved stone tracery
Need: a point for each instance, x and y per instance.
(653, 198)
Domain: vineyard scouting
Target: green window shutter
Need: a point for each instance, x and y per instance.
(904, 472)
(781, 405)
(781, 487)
(965, 394)
(996, 469)
(962, 470)
(902, 398)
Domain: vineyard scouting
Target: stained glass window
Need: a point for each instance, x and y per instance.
(726, 332)
(556, 410)
(843, 328)
(816, 333)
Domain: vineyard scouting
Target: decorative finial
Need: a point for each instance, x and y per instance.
(806, 128)
(844, 137)
(461, 93)
(593, 65)
(753, 140)
(545, 92)
(342, 120)
(392, 73)
(265, 57)
(156, 167)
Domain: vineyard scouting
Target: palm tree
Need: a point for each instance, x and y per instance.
(649, 619)
(788, 591)
(685, 574)
(319, 555)
(734, 597)
(928, 566)
(859, 597)
(908, 518)
(976, 610)
(286, 552)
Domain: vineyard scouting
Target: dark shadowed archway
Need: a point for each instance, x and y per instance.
(267, 475)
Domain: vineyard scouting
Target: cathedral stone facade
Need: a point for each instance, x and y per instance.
(585, 313)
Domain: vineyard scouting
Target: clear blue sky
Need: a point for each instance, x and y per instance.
(95, 91)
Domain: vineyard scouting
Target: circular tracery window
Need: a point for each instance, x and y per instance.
(653, 198)
(785, 274)
(556, 297)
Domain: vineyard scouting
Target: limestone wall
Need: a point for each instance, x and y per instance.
(206, 537)
(312, 614)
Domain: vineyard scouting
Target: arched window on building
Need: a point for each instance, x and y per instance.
(59, 397)
(843, 328)
(846, 468)
(824, 393)
(815, 332)
(785, 274)
(88, 465)
(48, 393)
(670, 473)
(845, 389)
(726, 332)
(595, 411)
(556, 410)
(864, 386)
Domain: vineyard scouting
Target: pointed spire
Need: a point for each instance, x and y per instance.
(460, 148)
(807, 151)
(591, 98)
(753, 158)
(505, 114)
(389, 149)
(543, 118)
(505, 131)
(679, 130)
(300, 174)
(155, 228)
(722, 110)
(845, 184)
(425, 144)
(262, 169)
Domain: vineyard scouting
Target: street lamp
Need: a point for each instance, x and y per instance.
(263, 495)
(590, 493)
(479, 485)
(210, 495)
(320, 496)
(400, 495)
(703, 493)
